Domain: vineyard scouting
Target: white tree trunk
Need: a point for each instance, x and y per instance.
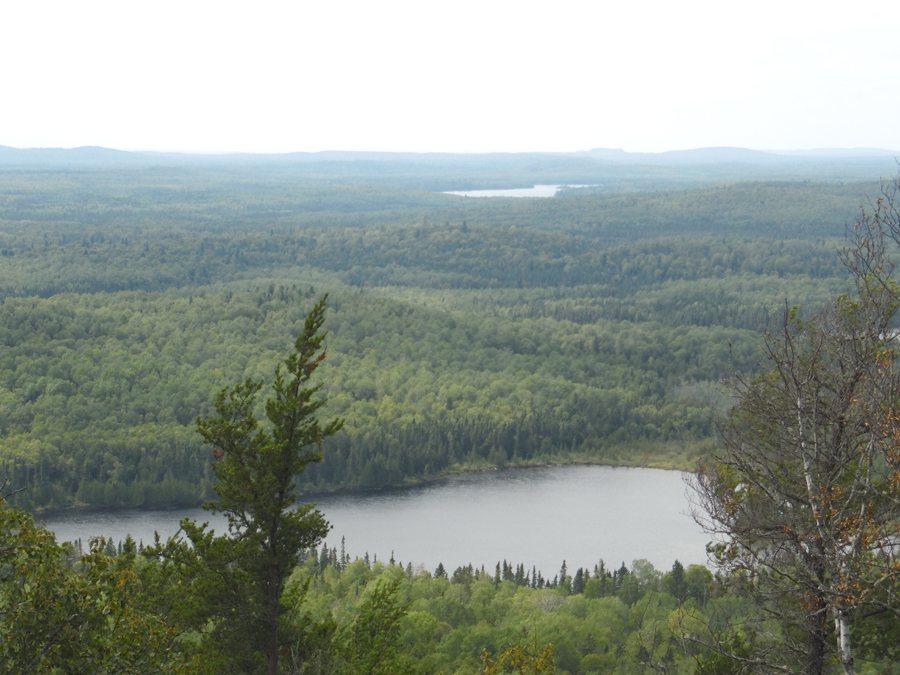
(842, 633)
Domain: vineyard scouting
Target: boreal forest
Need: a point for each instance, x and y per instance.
(464, 333)
(653, 314)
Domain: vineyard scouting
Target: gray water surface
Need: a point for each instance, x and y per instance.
(536, 191)
(538, 517)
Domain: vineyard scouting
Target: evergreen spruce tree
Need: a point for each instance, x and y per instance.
(236, 581)
(520, 574)
(675, 584)
(564, 578)
(619, 576)
(578, 582)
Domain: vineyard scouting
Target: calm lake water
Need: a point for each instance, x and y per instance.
(538, 516)
(536, 191)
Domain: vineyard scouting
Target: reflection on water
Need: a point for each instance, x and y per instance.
(535, 516)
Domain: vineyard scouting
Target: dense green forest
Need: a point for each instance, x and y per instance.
(465, 332)
(599, 619)
(590, 327)
(100, 392)
(342, 616)
(617, 620)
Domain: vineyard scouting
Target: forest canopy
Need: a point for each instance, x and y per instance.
(465, 333)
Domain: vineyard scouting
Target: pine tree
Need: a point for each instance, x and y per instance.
(564, 578)
(578, 582)
(238, 579)
(520, 574)
(620, 575)
(676, 585)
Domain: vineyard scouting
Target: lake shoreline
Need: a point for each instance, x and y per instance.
(538, 517)
(359, 489)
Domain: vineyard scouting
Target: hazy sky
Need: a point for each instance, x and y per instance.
(460, 76)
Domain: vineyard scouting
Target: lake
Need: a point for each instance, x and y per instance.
(536, 191)
(537, 516)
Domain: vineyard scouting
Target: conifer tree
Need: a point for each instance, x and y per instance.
(578, 582)
(237, 580)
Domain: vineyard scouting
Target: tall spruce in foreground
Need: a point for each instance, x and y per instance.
(236, 581)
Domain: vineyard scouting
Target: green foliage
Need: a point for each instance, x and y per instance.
(729, 661)
(97, 394)
(449, 624)
(370, 645)
(802, 496)
(522, 661)
(62, 614)
(465, 333)
(237, 580)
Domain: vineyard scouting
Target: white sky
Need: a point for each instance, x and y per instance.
(460, 76)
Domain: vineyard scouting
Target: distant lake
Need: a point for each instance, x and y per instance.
(539, 516)
(536, 191)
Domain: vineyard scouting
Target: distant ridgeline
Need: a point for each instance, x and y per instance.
(466, 333)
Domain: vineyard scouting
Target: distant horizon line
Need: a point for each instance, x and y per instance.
(820, 152)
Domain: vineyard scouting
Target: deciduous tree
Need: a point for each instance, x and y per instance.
(84, 618)
(371, 644)
(803, 500)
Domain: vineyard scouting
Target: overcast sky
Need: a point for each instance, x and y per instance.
(460, 76)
